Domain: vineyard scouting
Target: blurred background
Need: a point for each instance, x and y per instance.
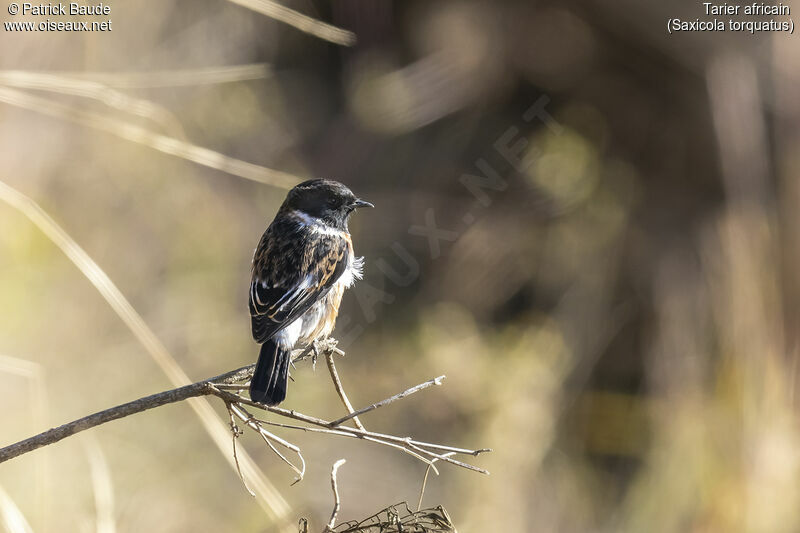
(588, 224)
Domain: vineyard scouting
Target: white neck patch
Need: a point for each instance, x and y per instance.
(316, 225)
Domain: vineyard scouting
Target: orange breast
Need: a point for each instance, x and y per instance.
(327, 318)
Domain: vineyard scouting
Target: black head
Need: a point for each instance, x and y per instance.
(327, 200)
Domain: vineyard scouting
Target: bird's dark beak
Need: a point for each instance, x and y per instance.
(360, 203)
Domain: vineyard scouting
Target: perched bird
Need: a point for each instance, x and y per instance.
(301, 267)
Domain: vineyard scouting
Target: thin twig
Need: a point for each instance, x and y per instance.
(425, 480)
(405, 444)
(387, 401)
(336, 501)
(446, 458)
(337, 383)
(409, 445)
(268, 437)
(363, 436)
(235, 432)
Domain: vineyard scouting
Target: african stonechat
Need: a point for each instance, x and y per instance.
(301, 267)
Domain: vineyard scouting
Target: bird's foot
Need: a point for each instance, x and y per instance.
(329, 344)
(315, 351)
(332, 346)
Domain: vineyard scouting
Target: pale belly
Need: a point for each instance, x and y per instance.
(315, 324)
(318, 322)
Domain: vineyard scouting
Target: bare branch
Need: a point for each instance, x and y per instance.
(236, 432)
(359, 435)
(387, 401)
(428, 453)
(336, 502)
(255, 424)
(407, 444)
(337, 383)
(51, 436)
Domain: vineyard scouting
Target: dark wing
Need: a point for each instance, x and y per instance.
(293, 268)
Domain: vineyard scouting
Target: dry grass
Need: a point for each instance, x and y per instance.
(266, 493)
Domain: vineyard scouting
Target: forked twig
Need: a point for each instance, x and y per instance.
(346, 434)
(425, 452)
(268, 437)
(420, 450)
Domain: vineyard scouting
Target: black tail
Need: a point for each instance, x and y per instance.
(271, 377)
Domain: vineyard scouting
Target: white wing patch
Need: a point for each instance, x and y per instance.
(288, 298)
(291, 296)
